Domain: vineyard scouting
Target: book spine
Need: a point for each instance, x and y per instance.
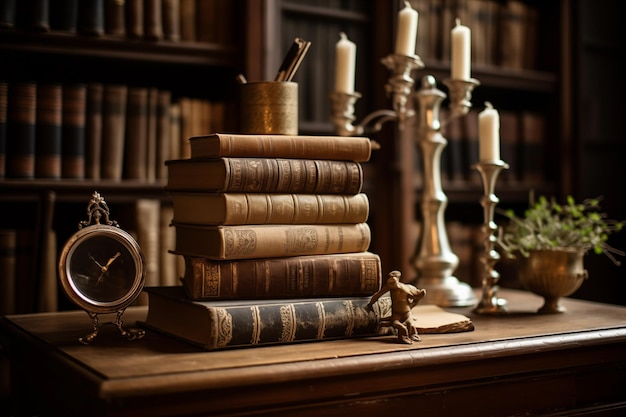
(48, 131)
(136, 134)
(33, 15)
(294, 322)
(114, 100)
(133, 18)
(73, 147)
(90, 17)
(153, 20)
(151, 134)
(93, 131)
(171, 20)
(271, 241)
(4, 97)
(114, 18)
(63, 15)
(269, 208)
(293, 176)
(164, 132)
(7, 271)
(7, 14)
(21, 120)
(284, 146)
(188, 18)
(356, 274)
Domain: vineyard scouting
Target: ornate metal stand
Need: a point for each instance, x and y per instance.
(489, 302)
(434, 261)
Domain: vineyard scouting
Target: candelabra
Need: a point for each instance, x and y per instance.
(434, 261)
(489, 302)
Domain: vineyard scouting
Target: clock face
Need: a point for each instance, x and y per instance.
(102, 269)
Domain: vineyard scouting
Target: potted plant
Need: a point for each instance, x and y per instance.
(550, 241)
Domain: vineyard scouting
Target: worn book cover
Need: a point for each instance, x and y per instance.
(246, 323)
(281, 146)
(352, 274)
(270, 240)
(268, 208)
(265, 175)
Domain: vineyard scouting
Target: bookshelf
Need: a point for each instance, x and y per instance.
(195, 68)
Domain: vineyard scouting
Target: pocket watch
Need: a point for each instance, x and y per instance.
(101, 268)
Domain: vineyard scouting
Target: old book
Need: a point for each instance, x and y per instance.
(247, 323)
(33, 15)
(4, 97)
(133, 18)
(163, 133)
(265, 175)
(151, 134)
(93, 130)
(21, 120)
(148, 219)
(357, 149)
(153, 20)
(334, 275)
(63, 15)
(533, 134)
(136, 141)
(171, 20)
(270, 241)
(114, 18)
(167, 240)
(7, 14)
(269, 208)
(48, 130)
(90, 17)
(74, 123)
(114, 99)
(509, 144)
(188, 26)
(8, 243)
(208, 17)
(513, 22)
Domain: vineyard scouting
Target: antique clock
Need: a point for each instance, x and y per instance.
(101, 269)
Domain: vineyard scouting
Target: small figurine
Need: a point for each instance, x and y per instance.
(403, 298)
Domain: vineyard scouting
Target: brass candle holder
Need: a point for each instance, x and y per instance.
(434, 261)
(490, 303)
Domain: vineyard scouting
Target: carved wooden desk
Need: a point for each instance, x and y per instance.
(519, 364)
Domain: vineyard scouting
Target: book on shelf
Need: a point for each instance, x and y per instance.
(21, 120)
(265, 175)
(48, 130)
(533, 138)
(114, 101)
(171, 20)
(357, 149)
(153, 20)
(148, 215)
(215, 325)
(33, 15)
(509, 144)
(136, 141)
(63, 15)
(268, 208)
(270, 240)
(353, 274)
(7, 14)
(74, 123)
(93, 130)
(188, 20)
(151, 135)
(4, 96)
(8, 244)
(133, 18)
(90, 19)
(163, 132)
(114, 18)
(513, 28)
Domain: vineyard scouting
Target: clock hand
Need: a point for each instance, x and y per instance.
(105, 268)
(94, 259)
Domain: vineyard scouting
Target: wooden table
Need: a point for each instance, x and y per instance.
(521, 363)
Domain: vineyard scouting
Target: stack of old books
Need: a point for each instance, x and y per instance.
(275, 241)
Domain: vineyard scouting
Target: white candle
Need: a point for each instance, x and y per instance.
(461, 51)
(489, 134)
(407, 30)
(345, 64)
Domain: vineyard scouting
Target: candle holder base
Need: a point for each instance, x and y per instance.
(447, 292)
(493, 306)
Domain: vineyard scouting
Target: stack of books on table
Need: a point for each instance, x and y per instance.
(275, 241)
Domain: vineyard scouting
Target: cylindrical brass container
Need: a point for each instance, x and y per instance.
(269, 107)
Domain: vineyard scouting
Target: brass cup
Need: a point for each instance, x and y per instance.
(269, 108)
